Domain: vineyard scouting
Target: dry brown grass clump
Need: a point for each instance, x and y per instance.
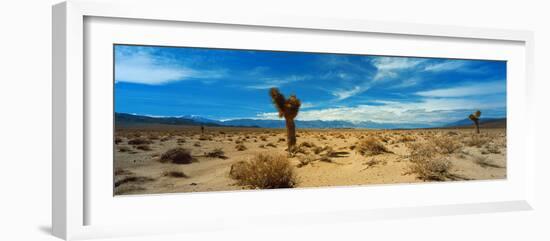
(446, 145)
(139, 141)
(205, 138)
(118, 140)
(120, 171)
(143, 147)
(133, 179)
(307, 144)
(177, 155)
(406, 138)
(240, 147)
(370, 146)
(173, 173)
(492, 148)
(216, 153)
(431, 169)
(426, 162)
(374, 162)
(305, 160)
(421, 151)
(124, 149)
(271, 145)
(476, 140)
(264, 171)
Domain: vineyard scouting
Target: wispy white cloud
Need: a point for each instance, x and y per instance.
(389, 67)
(429, 110)
(445, 66)
(342, 94)
(142, 67)
(307, 105)
(407, 82)
(473, 89)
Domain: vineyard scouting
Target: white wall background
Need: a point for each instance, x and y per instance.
(25, 119)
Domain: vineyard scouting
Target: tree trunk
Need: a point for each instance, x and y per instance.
(477, 126)
(290, 133)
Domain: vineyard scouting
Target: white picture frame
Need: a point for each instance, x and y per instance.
(72, 190)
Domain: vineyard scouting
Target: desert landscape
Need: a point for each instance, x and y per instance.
(165, 159)
(190, 119)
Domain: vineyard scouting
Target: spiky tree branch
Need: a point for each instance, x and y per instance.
(287, 108)
(475, 118)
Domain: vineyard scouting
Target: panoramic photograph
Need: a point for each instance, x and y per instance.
(190, 119)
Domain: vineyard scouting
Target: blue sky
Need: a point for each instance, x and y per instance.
(230, 84)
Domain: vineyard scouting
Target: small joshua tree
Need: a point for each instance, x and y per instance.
(288, 108)
(475, 118)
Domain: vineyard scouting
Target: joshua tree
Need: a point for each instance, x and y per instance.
(288, 108)
(475, 118)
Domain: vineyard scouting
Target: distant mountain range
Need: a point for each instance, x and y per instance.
(484, 123)
(123, 119)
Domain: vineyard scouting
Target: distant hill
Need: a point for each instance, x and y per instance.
(483, 123)
(123, 119)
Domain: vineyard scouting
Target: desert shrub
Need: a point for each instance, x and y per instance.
(120, 171)
(197, 144)
(139, 141)
(431, 169)
(205, 138)
(216, 153)
(297, 149)
(452, 133)
(282, 139)
(180, 140)
(240, 147)
(406, 138)
(306, 144)
(143, 147)
(476, 140)
(305, 160)
(446, 145)
(427, 163)
(370, 146)
(492, 148)
(124, 149)
(118, 140)
(325, 159)
(264, 171)
(374, 162)
(271, 145)
(330, 152)
(133, 179)
(177, 155)
(318, 149)
(421, 151)
(174, 173)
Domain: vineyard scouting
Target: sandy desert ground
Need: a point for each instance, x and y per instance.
(325, 157)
